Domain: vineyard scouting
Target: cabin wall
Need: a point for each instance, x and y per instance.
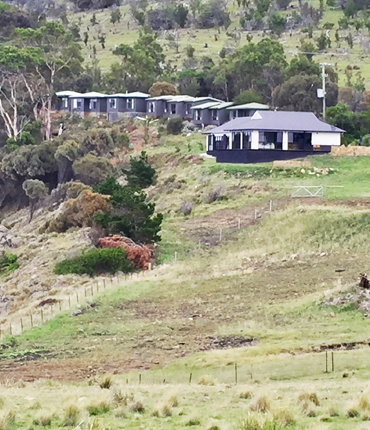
(326, 139)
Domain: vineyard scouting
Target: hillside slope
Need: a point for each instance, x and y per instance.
(270, 297)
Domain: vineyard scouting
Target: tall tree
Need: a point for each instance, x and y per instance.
(61, 57)
(142, 63)
(16, 68)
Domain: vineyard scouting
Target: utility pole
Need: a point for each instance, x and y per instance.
(323, 65)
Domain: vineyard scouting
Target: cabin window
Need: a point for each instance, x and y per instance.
(198, 115)
(233, 114)
(93, 104)
(113, 103)
(173, 108)
(151, 107)
(77, 104)
(188, 108)
(65, 103)
(130, 104)
(214, 115)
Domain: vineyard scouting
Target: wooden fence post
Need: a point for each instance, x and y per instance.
(31, 319)
(21, 325)
(236, 373)
(42, 316)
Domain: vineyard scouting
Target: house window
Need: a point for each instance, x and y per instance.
(188, 108)
(113, 103)
(173, 108)
(93, 104)
(198, 115)
(151, 107)
(65, 103)
(77, 104)
(214, 115)
(130, 104)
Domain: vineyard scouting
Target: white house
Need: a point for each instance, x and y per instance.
(272, 135)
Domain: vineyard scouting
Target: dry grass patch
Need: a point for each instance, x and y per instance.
(7, 419)
(246, 395)
(262, 404)
(207, 380)
(137, 406)
(105, 381)
(284, 417)
(71, 415)
(120, 398)
(43, 420)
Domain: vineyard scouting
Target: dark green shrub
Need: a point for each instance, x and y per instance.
(95, 262)
(8, 262)
(174, 125)
(131, 216)
(140, 174)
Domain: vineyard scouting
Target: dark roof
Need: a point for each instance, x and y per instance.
(278, 121)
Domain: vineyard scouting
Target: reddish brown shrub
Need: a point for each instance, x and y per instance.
(139, 255)
(80, 211)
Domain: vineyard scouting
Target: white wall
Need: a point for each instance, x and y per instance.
(255, 139)
(326, 139)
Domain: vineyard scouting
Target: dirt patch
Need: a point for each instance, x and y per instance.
(344, 346)
(47, 302)
(228, 342)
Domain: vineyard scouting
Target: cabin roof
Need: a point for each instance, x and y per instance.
(256, 106)
(277, 121)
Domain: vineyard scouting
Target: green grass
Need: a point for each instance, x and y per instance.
(339, 55)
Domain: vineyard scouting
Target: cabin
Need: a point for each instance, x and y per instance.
(126, 104)
(248, 109)
(64, 99)
(212, 112)
(88, 104)
(170, 106)
(271, 135)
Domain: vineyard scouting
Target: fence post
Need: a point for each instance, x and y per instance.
(190, 377)
(270, 205)
(85, 292)
(239, 223)
(69, 301)
(42, 316)
(255, 214)
(332, 361)
(31, 320)
(10, 328)
(236, 373)
(97, 287)
(139, 378)
(78, 301)
(21, 325)
(175, 256)
(104, 283)
(220, 234)
(60, 305)
(326, 361)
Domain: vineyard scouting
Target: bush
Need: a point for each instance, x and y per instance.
(105, 382)
(95, 262)
(8, 262)
(174, 125)
(366, 140)
(262, 405)
(186, 208)
(140, 174)
(79, 212)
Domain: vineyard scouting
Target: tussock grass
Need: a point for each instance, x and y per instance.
(262, 404)
(71, 415)
(101, 408)
(245, 395)
(192, 422)
(258, 422)
(207, 380)
(120, 398)
(284, 416)
(364, 402)
(105, 381)
(353, 412)
(137, 406)
(43, 420)
(7, 419)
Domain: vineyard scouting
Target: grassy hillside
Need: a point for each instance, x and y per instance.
(231, 329)
(339, 55)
